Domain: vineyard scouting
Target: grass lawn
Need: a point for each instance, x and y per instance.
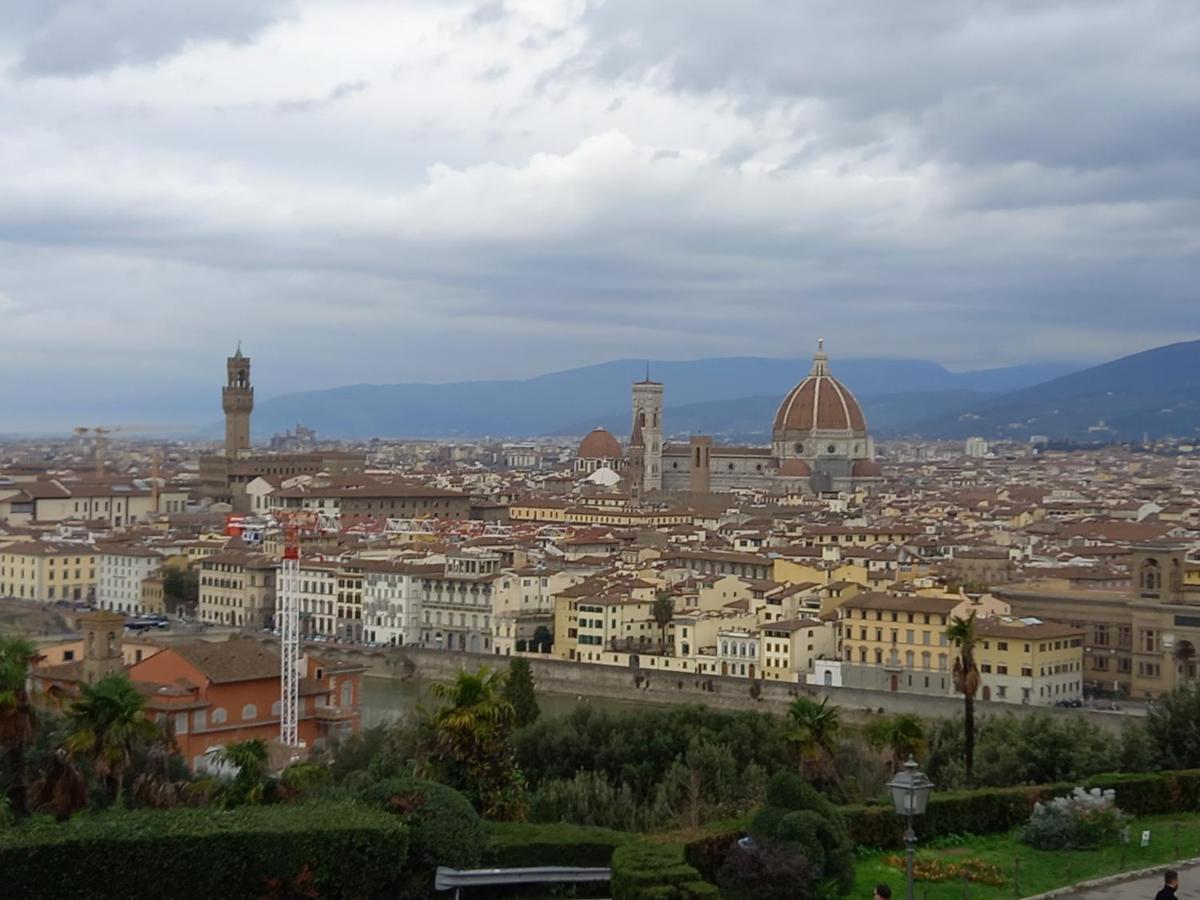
(1038, 870)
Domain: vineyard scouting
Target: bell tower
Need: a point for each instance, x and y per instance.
(647, 427)
(101, 644)
(237, 399)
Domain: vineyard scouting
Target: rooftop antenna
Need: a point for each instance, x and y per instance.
(647, 370)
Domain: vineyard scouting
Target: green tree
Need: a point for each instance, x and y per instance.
(962, 634)
(663, 611)
(813, 729)
(108, 725)
(181, 588)
(1173, 725)
(250, 759)
(902, 735)
(17, 718)
(472, 730)
(518, 690)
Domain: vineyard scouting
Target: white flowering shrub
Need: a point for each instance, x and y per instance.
(1079, 820)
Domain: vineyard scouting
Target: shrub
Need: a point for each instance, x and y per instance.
(798, 816)
(444, 829)
(303, 779)
(1084, 819)
(515, 844)
(336, 850)
(768, 872)
(645, 871)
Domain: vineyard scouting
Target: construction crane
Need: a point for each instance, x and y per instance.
(99, 442)
(294, 523)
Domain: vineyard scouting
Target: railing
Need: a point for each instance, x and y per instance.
(456, 879)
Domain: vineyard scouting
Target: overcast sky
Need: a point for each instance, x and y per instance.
(383, 191)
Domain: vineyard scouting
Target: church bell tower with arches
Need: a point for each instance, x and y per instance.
(237, 399)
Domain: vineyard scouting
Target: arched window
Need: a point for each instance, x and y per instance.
(799, 448)
(862, 654)
(878, 656)
(925, 658)
(908, 659)
(219, 715)
(1151, 575)
(249, 711)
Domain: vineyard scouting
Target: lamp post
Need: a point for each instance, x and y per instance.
(910, 794)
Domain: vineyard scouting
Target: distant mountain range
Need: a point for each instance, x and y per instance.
(730, 397)
(1155, 393)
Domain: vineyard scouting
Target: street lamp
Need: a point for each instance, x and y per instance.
(910, 793)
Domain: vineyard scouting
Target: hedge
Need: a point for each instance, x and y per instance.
(994, 810)
(646, 871)
(334, 850)
(516, 844)
(444, 828)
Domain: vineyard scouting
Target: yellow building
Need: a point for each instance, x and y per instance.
(790, 649)
(1029, 661)
(48, 572)
(605, 614)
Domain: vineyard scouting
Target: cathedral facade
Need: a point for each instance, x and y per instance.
(819, 444)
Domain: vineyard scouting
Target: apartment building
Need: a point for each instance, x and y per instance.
(238, 588)
(48, 571)
(120, 572)
(1029, 661)
(791, 648)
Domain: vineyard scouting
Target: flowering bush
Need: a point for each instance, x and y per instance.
(1080, 820)
(932, 868)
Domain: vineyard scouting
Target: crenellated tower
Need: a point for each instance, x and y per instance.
(237, 399)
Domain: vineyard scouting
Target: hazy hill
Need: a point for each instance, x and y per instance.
(550, 403)
(1156, 392)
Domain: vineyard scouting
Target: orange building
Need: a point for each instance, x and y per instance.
(215, 693)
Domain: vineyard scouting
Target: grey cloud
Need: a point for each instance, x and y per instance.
(309, 104)
(494, 72)
(73, 38)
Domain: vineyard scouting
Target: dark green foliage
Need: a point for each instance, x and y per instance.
(993, 810)
(798, 817)
(518, 690)
(707, 855)
(1173, 727)
(304, 779)
(338, 850)
(639, 747)
(181, 590)
(769, 872)
(1034, 749)
(443, 827)
(515, 844)
(645, 871)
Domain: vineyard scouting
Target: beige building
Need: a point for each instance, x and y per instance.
(1141, 642)
(791, 648)
(238, 588)
(1029, 661)
(48, 572)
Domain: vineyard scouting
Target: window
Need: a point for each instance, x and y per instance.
(249, 711)
(181, 723)
(219, 715)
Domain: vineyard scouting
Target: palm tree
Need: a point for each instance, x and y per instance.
(471, 734)
(108, 724)
(62, 789)
(17, 718)
(961, 633)
(251, 759)
(814, 728)
(902, 735)
(663, 611)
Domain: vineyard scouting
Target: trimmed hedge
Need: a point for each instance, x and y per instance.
(335, 849)
(516, 844)
(645, 871)
(994, 810)
(444, 828)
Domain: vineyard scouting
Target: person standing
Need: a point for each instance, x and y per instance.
(1170, 885)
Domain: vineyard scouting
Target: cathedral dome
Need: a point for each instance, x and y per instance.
(794, 468)
(599, 444)
(866, 468)
(819, 403)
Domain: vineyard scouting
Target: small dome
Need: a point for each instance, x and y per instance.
(866, 468)
(819, 403)
(794, 468)
(600, 444)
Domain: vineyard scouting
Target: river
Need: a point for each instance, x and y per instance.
(388, 699)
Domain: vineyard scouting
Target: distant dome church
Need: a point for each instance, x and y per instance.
(819, 444)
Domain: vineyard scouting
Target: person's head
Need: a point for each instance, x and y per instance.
(883, 892)
(1171, 878)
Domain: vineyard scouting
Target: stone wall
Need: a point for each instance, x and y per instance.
(647, 686)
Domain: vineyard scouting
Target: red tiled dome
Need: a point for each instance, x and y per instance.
(866, 468)
(600, 444)
(794, 468)
(820, 402)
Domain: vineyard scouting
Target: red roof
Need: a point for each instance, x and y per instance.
(600, 444)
